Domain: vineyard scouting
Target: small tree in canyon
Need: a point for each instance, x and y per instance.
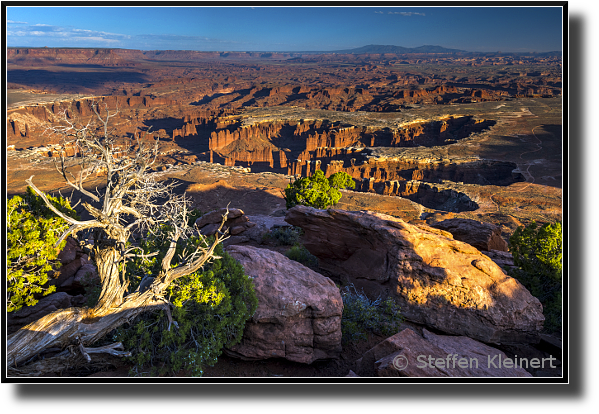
(131, 202)
(317, 191)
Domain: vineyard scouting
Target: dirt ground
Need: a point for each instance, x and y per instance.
(236, 368)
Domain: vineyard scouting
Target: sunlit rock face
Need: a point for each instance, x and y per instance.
(438, 281)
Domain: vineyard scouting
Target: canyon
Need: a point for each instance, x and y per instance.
(426, 137)
(472, 138)
(475, 158)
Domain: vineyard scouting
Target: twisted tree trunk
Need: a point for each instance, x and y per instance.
(130, 192)
(84, 326)
(74, 326)
(114, 287)
(80, 326)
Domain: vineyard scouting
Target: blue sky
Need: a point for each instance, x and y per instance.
(477, 29)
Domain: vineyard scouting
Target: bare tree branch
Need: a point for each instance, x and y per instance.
(126, 254)
(70, 220)
(197, 264)
(131, 198)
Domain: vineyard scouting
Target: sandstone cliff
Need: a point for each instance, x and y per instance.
(70, 56)
(21, 122)
(438, 281)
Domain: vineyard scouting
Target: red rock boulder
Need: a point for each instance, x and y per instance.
(407, 354)
(237, 222)
(437, 281)
(299, 311)
(483, 236)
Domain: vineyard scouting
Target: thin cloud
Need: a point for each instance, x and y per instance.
(13, 22)
(59, 36)
(95, 39)
(33, 33)
(402, 13)
(93, 33)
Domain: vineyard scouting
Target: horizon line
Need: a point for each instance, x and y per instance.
(338, 51)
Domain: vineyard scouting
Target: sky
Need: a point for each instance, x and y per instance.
(474, 29)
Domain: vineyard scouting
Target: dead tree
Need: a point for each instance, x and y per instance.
(129, 202)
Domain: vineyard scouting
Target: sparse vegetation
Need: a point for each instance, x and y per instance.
(284, 236)
(300, 254)
(211, 308)
(362, 315)
(33, 230)
(131, 205)
(537, 251)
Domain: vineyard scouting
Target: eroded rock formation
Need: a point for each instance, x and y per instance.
(301, 148)
(48, 56)
(483, 236)
(438, 281)
(21, 122)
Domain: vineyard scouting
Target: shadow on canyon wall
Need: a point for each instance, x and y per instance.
(72, 81)
(205, 197)
(538, 154)
(80, 66)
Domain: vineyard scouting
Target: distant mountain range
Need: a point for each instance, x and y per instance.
(105, 54)
(376, 49)
(399, 49)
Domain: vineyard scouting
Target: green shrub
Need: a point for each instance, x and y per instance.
(284, 236)
(362, 315)
(32, 231)
(300, 254)
(211, 307)
(537, 253)
(317, 191)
